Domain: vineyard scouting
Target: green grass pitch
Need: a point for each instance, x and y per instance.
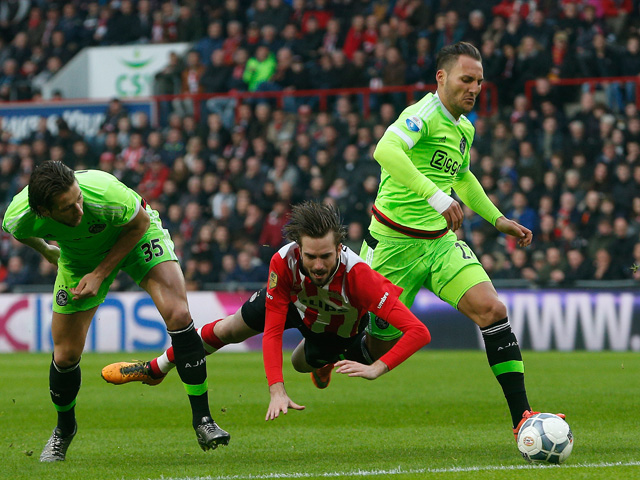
(440, 415)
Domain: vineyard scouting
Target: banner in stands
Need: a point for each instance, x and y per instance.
(128, 71)
(542, 320)
(21, 119)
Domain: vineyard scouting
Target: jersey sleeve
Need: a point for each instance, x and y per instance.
(277, 304)
(378, 295)
(19, 219)
(473, 195)
(391, 154)
(128, 201)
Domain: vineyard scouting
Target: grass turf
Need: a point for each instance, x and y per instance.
(440, 415)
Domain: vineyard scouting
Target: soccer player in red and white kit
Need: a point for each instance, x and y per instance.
(323, 289)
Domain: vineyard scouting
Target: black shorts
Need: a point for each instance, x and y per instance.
(319, 348)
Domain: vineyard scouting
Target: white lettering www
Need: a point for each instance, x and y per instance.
(556, 317)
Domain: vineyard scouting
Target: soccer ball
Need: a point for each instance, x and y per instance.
(545, 437)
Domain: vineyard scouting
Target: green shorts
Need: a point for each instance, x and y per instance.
(154, 247)
(446, 266)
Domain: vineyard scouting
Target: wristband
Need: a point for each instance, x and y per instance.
(440, 201)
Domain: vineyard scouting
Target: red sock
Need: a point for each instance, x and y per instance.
(209, 337)
(155, 369)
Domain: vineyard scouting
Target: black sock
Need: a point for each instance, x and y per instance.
(192, 368)
(505, 359)
(64, 385)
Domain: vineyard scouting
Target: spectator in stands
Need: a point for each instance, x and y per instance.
(82, 156)
(630, 66)
(616, 15)
(227, 267)
(603, 239)
(188, 27)
(259, 68)
(604, 266)
(553, 271)
(522, 212)
(603, 60)
(155, 175)
(623, 241)
(520, 266)
(249, 269)
(18, 273)
(578, 268)
(222, 247)
(271, 235)
(124, 26)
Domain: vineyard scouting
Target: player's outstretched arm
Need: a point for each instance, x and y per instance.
(513, 228)
(355, 369)
(280, 402)
(51, 253)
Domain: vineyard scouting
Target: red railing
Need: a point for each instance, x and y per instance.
(592, 82)
(487, 104)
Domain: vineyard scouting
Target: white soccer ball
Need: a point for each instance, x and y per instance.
(545, 437)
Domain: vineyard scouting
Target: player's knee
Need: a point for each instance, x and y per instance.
(488, 311)
(299, 364)
(177, 317)
(495, 311)
(299, 367)
(67, 357)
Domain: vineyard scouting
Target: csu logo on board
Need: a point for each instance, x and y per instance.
(442, 161)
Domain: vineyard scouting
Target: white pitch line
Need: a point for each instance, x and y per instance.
(400, 470)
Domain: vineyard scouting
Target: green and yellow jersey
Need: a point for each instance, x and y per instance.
(108, 205)
(425, 150)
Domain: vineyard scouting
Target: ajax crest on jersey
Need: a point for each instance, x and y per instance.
(545, 437)
(414, 123)
(463, 145)
(97, 227)
(62, 297)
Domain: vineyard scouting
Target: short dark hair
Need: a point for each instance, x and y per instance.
(315, 220)
(48, 180)
(450, 53)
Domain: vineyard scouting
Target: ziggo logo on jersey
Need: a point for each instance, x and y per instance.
(441, 161)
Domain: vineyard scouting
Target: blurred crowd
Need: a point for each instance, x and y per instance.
(563, 161)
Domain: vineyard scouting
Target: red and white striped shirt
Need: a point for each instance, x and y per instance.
(353, 290)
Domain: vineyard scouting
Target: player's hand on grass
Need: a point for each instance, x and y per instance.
(280, 402)
(52, 254)
(355, 369)
(88, 286)
(454, 216)
(523, 234)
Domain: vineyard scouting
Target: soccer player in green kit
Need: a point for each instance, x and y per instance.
(411, 241)
(101, 227)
